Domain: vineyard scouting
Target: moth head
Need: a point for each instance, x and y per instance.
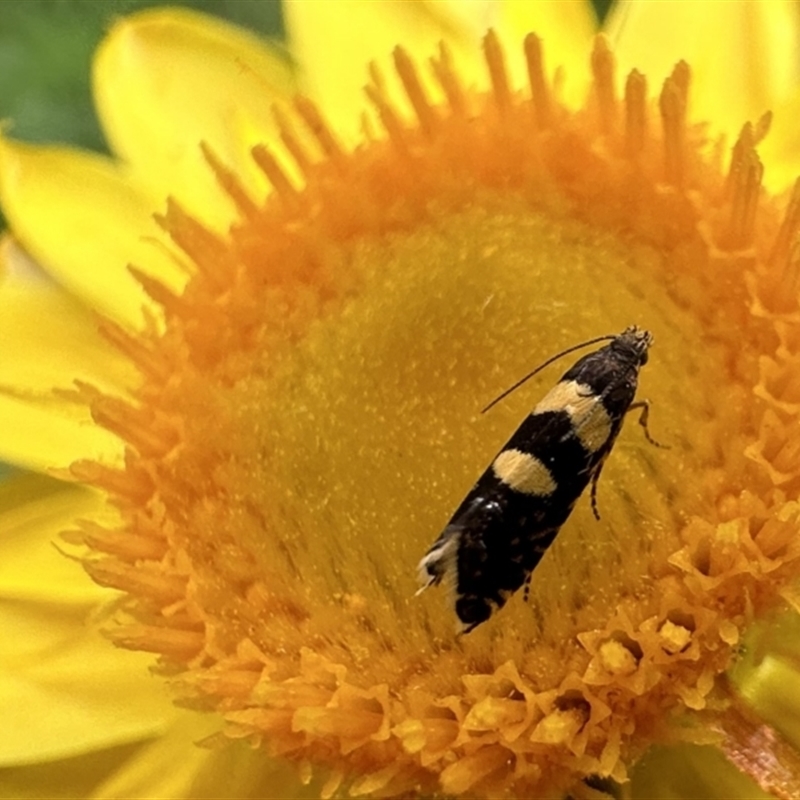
(636, 341)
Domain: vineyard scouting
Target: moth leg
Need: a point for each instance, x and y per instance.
(526, 590)
(643, 417)
(595, 478)
(644, 405)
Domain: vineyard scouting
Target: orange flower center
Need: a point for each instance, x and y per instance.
(309, 419)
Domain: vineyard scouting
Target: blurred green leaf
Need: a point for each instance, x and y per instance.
(601, 9)
(45, 54)
(46, 50)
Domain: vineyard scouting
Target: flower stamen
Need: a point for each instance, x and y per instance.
(635, 114)
(448, 80)
(230, 183)
(407, 72)
(603, 74)
(495, 60)
(673, 101)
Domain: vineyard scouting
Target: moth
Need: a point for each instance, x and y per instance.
(503, 527)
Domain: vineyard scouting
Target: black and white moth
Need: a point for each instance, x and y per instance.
(513, 513)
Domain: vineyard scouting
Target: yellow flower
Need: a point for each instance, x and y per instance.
(279, 411)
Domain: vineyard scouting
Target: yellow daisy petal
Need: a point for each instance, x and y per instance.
(566, 28)
(63, 779)
(168, 768)
(782, 147)
(84, 222)
(44, 434)
(334, 42)
(164, 72)
(33, 512)
(744, 56)
(49, 338)
(53, 706)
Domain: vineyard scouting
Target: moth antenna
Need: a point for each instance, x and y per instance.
(544, 364)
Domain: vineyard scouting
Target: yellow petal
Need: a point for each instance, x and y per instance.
(49, 338)
(173, 766)
(168, 79)
(66, 779)
(745, 56)
(56, 707)
(53, 706)
(566, 28)
(780, 150)
(33, 512)
(336, 41)
(84, 223)
(167, 767)
(43, 434)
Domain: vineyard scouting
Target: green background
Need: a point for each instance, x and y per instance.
(46, 49)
